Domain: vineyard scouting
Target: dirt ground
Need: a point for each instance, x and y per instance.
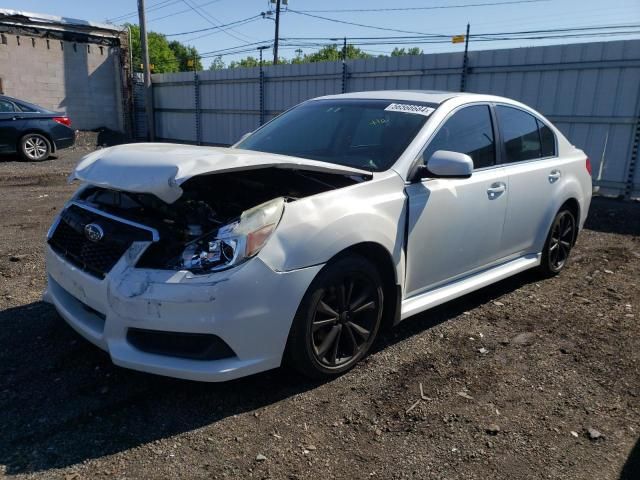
(528, 378)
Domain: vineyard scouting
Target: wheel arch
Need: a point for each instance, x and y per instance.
(383, 261)
(52, 144)
(573, 206)
(569, 197)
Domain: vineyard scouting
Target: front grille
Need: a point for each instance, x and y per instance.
(195, 346)
(94, 257)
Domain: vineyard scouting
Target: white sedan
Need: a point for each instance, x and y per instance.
(296, 245)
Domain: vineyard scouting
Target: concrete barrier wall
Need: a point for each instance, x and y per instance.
(82, 79)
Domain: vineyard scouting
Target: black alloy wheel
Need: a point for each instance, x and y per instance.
(338, 319)
(559, 242)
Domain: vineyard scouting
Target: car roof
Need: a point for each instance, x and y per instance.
(428, 96)
(11, 99)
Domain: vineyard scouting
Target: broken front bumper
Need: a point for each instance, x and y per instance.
(250, 308)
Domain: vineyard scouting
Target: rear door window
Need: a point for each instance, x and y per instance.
(519, 133)
(6, 107)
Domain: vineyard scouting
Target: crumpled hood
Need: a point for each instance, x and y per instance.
(160, 168)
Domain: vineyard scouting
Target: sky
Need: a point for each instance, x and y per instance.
(177, 16)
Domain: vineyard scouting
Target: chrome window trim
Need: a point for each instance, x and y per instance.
(154, 233)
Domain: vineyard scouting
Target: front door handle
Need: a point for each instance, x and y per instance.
(496, 189)
(554, 176)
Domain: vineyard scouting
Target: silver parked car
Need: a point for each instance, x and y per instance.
(297, 244)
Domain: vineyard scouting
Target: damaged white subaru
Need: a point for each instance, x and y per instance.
(297, 244)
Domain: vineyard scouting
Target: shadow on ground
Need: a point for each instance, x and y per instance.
(631, 469)
(63, 402)
(614, 216)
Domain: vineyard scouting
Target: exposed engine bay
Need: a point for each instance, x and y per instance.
(220, 219)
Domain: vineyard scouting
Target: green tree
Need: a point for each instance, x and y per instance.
(186, 56)
(329, 53)
(398, 52)
(217, 64)
(333, 53)
(250, 61)
(246, 62)
(163, 56)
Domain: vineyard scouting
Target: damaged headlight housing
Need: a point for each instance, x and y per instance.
(235, 242)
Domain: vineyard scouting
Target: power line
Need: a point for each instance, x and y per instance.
(406, 41)
(404, 9)
(475, 40)
(183, 11)
(214, 27)
(211, 19)
(425, 39)
(159, 6)
(448, 36)
(335, 20)
(151, 8)
(405, 31)
(186, 40)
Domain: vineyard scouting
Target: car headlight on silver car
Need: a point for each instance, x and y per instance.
(235, 242)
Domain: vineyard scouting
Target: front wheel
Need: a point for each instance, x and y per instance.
(35, 147)
(559, 242)
(337, 320)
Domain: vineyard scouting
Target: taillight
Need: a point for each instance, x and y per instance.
(62, 121)
(588, 165)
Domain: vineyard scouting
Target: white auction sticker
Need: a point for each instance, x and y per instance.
(408, 108)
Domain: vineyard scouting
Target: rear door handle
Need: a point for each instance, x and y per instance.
(496, 189)
(554, 176)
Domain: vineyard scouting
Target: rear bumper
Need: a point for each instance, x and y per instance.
(65, 141)
(250, 308)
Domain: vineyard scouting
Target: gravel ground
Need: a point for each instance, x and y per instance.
(528, 378)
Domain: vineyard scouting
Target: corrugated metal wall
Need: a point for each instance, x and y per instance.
(591, 91)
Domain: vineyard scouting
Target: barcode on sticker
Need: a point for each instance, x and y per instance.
(408, 108)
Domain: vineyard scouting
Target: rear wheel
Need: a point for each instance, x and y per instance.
(338, 319)
(35, 147)
(559, 242)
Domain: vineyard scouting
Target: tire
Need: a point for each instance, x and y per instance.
(338, 319)
(34, 147)
(559, 242)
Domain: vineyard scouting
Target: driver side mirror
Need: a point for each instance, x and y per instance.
(444, 164)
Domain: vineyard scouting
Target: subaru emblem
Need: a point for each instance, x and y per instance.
(93, 232)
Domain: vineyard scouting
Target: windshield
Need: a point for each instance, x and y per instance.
(365, 134)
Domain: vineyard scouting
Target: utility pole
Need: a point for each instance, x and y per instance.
(260, 49)
(277, 35)
(465, 60)
(344, 65)
(148, 93)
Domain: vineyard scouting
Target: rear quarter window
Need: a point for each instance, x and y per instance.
(547, 140)
(26, 108)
